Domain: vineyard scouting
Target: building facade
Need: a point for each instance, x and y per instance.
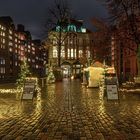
(75, 48)
(124, 57)
(16, 44)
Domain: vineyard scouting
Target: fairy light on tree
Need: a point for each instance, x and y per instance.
(24, 72)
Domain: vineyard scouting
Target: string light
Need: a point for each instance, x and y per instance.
(20, 90)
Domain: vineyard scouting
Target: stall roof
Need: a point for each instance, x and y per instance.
(97, 64)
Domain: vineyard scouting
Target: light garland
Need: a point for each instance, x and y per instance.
(20, 89)
(10, 91)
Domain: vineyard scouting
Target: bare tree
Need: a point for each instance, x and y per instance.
(126, 15)
(58, 18)
(101, 39)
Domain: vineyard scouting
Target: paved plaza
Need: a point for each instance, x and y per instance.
(69, 111)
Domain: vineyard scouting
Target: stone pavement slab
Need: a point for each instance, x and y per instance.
(69, 111)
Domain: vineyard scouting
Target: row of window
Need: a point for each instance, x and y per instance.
(2, 33)
(71, 53)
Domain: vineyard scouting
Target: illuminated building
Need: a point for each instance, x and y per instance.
(15, 45)
(75, 48)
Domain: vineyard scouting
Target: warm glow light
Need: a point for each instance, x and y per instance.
(72, 77)
(19, 90)
(10, 91)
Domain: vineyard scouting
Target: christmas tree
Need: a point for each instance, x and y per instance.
(24, 71)
(50, 77)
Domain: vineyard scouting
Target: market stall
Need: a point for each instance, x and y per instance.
(95, 74)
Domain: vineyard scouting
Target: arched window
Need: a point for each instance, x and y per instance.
(72, 28)
(57, 28)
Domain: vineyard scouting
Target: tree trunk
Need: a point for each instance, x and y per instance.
(59, 47)
(59, 54)
(138, 60)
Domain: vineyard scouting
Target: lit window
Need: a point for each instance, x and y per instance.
(54, 42)
(2, 46)
(72, 28)
(22, 53)
(88, 53)
(10, 31)
(10, 49)
(2, 70)
(57, 28)
(2, 33)
(10, 37)
(3, 41)
(22, 58)
(75, 53)
(80, 53)
(16, 63)
(33, 52)
(83, 30)
(63, 51)
(10, 43)
(68, 53)
(22, 48)
(55, 54)
(72, 53)
(2, 61)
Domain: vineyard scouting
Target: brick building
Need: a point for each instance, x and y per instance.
(124, 56)
(15, 45)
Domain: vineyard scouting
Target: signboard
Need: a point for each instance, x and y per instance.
(111, 80)
(112, 92)
(29, 89)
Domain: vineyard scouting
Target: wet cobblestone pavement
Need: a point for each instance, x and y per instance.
(68, 111)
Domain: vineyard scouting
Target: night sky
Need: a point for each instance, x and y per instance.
(32, 13)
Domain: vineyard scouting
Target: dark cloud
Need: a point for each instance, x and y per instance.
(32, 13)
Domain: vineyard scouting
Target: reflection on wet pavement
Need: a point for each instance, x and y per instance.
(68, 110)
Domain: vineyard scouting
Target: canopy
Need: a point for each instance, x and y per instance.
(97, 64)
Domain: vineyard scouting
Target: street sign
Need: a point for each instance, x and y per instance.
(29, 89)
(112, 92)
